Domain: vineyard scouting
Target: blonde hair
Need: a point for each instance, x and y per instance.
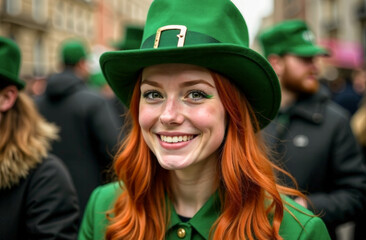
(358, 124)
(25, 139)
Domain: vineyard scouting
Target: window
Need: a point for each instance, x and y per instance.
(38, 58)
(90, 24)
(39, 10)
(80, 25)
(58, 19)
(13, 7)
(70, 17)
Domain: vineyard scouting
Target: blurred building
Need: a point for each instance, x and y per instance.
(340, 25)
(39, 26)
(288, 9)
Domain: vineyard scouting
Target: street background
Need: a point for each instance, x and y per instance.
(40, 26)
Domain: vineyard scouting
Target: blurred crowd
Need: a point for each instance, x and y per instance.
(91, 123)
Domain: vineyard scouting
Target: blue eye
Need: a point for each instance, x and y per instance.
(151, 95)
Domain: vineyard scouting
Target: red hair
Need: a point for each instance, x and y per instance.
(248, 188)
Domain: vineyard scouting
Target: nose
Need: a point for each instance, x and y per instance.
(171, 113)
(313, 64)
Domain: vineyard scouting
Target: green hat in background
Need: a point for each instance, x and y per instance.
(97, 80)
(10, 60)
(208, 33)
(72, 51)
(290, 37)
(132, 38)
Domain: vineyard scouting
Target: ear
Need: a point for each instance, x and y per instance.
(277, 63)
(8, 96)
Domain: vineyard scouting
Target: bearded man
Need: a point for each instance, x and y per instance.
(311, 135)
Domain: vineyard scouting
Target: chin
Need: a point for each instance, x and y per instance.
(173, 165)
(311, 90)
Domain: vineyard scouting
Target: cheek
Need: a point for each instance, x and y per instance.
(212, 119)
(146, 117)
(292, 78)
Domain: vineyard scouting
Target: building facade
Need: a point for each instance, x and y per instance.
(39, 26)
(338, 24)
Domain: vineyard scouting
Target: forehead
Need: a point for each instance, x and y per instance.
(175, 71)
(300, 59)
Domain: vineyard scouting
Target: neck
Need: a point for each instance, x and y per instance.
(193, 187)
(78, 70)
(288, 98)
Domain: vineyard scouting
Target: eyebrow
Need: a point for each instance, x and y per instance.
(152, 83)
(195, 82)
(185, 84)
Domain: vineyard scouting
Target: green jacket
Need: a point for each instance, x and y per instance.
(102, 199)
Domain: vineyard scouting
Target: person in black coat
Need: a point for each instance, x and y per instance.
(311, 135)
(37, 196)
(89, 131)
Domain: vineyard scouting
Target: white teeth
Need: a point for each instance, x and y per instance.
(175, 139)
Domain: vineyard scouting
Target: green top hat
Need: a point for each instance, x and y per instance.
(10, 60)
(292, 36)
(207, 33)
(72, 51)
(132, 39)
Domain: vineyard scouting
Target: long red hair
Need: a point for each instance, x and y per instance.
(248, 188)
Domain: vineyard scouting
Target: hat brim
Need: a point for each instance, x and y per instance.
(12, 79)
(251, 72)
(309, 51)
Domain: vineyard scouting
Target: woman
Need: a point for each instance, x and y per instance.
(37, 196)
(193, 166)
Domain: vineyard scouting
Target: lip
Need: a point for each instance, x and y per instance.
(174, 145)
(312, 76)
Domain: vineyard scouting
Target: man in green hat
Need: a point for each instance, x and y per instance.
(88, 126)
(311, 133)
(37, 196)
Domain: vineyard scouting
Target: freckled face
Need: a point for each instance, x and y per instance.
(181, 115)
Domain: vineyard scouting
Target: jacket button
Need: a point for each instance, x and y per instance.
(181, 232)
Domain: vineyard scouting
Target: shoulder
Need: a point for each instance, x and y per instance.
(91, 99)
(51, 177)
(52, 168)
(300, 223)
(91, 93)
(95, 220)
(336, 109)
(52, 204)
(104, 196)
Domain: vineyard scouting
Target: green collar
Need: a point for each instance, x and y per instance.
(202, 221)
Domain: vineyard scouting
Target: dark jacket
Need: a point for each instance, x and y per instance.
(315, 144)
(88, 133)
(43, 205)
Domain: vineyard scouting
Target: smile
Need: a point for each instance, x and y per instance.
(175, 139)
